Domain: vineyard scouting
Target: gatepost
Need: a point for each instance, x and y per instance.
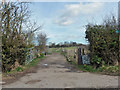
(79, 57)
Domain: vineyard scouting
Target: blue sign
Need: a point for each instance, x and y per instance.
(117, 31)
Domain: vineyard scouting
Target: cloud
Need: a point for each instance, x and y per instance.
(74, 10)
(69, 37)
(74, 37)
(63, 21)
(88, 8)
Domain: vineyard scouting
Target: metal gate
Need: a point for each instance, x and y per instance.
(82, 57)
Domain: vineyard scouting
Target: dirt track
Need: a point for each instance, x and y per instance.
(54, 72)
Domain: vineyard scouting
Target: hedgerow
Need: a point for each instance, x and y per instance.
(104, 42)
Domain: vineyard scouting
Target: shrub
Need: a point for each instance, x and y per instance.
(97, 61)
(42, 55)
(111, 69)
(14, 40)
(104, 42)
(36, 55)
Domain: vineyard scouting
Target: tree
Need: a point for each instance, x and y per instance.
(31, 28)
(42, 40)
(13, 17)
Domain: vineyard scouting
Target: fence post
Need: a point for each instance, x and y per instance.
(83, 51)
(79, 56)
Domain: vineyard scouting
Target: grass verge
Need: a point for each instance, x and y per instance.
(19, 69)
(107, 70)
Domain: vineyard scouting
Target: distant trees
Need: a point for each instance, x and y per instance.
(13, 17)
(64, 44)
(104, 42)
(51, 44)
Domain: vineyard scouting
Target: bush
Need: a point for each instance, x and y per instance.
(97, 61)
(42, 55)
(88, 68)
(14, 40)
(104, 42)
(110, 69)
(36, 55)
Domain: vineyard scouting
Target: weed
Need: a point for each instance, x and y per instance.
(89, 68)
(31, 64)
(19, 69)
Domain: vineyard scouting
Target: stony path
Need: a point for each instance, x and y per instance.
(54, 72)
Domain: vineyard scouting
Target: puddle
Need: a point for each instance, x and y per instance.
(74, 71)
(45, 64)
(32, 81)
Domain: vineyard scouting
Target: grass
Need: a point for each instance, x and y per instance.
(106, 69)
(59, 49)
(110, 70)
(19, 69)
(55, 50)
(85, 68)
(70, 47)
(33, 63)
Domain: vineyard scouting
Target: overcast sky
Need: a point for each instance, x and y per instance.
(65, 21)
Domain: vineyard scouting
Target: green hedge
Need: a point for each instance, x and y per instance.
(104, 43)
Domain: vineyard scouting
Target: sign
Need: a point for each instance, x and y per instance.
(117, 31)
(85, 59)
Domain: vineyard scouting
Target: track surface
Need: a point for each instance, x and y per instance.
(55, 72)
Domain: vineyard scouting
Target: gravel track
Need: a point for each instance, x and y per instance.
(55, 72)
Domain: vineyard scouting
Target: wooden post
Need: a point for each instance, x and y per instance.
(83, 51)
(79, 56)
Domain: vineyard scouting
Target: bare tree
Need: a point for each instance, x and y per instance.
(30, 29)
(42, 40)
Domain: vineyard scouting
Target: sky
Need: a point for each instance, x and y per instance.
(65, 21)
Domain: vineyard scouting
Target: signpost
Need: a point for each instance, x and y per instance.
(119, 26)
(117, 31)
(119, 35)
(119, 15)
